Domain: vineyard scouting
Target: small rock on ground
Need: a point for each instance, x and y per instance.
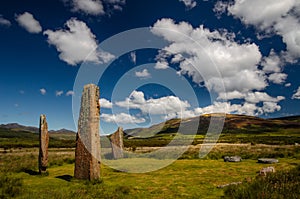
(232, 159)
(267, 160)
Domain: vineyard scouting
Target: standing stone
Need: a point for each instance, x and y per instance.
(87, 153)
(116, 141)
(44, 142)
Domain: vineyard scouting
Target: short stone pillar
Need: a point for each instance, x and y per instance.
(44, 143)
(116, 141)
(87, 153)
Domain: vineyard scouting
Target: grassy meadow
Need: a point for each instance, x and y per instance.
(189, 177)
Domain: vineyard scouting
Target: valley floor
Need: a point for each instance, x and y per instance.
(185, 178)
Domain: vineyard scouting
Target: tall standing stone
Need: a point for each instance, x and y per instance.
(87, 153)
(117, 145)
(44, 142)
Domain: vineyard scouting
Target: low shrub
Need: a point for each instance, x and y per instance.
(283, 184)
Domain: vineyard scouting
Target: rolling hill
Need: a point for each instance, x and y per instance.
(233, 124)
(15, 128)
(18, 127)
(236, 129)
(15, 135)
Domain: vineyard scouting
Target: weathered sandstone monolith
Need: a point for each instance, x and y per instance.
(87, 153)
(116, 141)
(44, 142)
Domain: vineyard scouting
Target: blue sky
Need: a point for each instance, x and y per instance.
(211, 56)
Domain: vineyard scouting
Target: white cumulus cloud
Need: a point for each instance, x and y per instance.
(251, 97)
(121, 118)
(244, 108)
(296, 95)
(278, 78)
(279, 17)
(162, 62)
(69, 93)
(77, 43)
(287, 84)
(168, 107)
(270, 107)
(262, 13)
(29, 23)
(220, 8)
(95, 7)
(163, 105)
(104, 103)
(133, 57)
(43, 91)
(272, 63)
(59, 93)
(257, 97)
(161, 65)
(4, 22)
(189, 3)
(143, 74)
(237, 63)
(92, 7)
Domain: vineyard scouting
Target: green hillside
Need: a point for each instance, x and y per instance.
(236, 129)
(233, 124)
(15, 138)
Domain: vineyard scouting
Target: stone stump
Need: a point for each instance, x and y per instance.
(116, 141)
(44, 142)
(87, 153)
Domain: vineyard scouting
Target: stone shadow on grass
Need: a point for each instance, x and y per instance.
(67, 178)
(31, 172)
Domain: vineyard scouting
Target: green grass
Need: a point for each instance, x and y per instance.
(247, 151)
(10, 186)
(194, 178)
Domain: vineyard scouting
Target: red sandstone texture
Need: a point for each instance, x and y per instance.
(116, 141)
(44, 143)
(87, 153)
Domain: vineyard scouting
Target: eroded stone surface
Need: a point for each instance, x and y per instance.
(117, 145)
(44, 143)
(87, 153)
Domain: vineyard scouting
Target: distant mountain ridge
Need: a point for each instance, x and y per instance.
(236, 129)
(19, 127)
(233, 124)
